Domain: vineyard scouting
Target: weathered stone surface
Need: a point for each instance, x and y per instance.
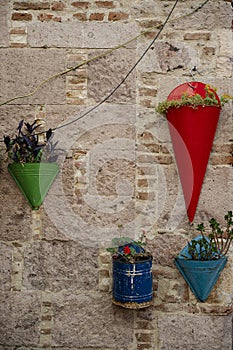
(23, 70)
(90, 320)
(19, 319)
(49, 230)
(103, 126)
(224, 61)
(206, 17)
(117, 168)
(15, 213)
(166, 247)
(57, 265)
(5, 267)
(116, 176)
(95, 202)
(4, 35)
(82, 35)
(167, 56)
(110, 71)
(111, 129)
(172, 291)
(140, 9)
(93, 221)
(195, 332)
(222, 291)
(11, 116)
(225, 126)
(53, 34)
(218, 181)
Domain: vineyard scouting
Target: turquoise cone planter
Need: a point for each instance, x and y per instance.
(201, 276)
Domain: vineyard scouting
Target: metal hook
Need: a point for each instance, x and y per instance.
(194, 69)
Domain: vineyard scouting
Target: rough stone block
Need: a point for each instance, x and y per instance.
(55, 266)
(167, 56)
(206, 17)
(24, 70)
(82, 35)
(195, 332)
(90, 320)
(110, 70)
(118, 34)
(11, 116)
(225, 126)
(49, 231)
(140, 9)
(19, 319)
(217, 194)
(57, 115)
(15, 213)
(222, 291)
(4, 35)
(166, 246)
(106, 124)
(172, 291)
(92, 222)
(5, 267)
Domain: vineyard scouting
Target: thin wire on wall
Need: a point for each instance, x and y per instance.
(160, 27)
(125, 77)
(100, 55)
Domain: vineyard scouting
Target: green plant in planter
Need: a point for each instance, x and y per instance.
(194, 100)
(128, 250)
(33, 165)
(216, 244)
(204, 257)
(26, 147)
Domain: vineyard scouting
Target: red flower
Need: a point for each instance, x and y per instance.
(126, 249)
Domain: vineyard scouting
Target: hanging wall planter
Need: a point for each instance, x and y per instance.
(34, 168)
(202, 260)
(132, 285)
(192, 110)
(201, 276)
(34, 180)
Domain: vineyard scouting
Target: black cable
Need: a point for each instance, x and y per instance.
(130, 71)
(124, 79)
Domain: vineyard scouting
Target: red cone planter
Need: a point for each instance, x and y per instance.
(192, 132)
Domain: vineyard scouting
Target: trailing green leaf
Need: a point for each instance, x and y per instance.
(193, 101)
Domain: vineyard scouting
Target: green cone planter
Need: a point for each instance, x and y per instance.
(34, 180)
(201, 276)
(192, 133)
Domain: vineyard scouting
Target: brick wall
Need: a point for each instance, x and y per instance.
(117, 172)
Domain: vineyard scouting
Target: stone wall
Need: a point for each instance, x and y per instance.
(117, 171)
